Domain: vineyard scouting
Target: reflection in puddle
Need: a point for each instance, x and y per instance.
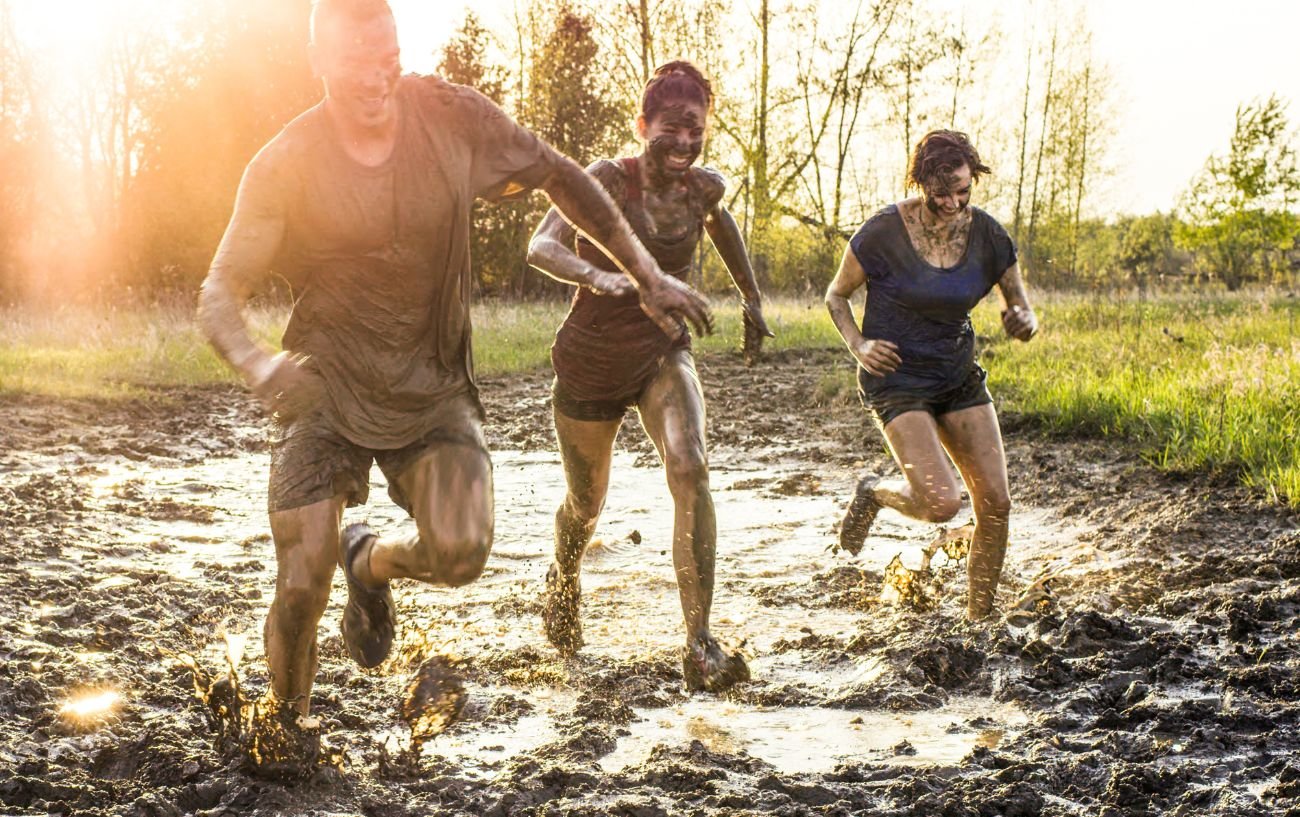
(812, 740)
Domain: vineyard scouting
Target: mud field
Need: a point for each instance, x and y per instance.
(1161, 677)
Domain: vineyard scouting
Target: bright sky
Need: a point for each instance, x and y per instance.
(1181, 68)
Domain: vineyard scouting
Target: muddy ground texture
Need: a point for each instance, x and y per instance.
(1161, 677)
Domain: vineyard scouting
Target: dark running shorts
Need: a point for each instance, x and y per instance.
(311, 462)
(598, 411)
(886, 404)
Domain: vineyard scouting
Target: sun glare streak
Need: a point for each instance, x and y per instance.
(90, 706)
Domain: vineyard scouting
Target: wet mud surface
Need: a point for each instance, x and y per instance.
(1158, 674)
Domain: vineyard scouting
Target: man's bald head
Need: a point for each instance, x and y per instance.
(352, 13)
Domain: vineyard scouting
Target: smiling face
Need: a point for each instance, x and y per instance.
(360, 64)
(948, 194)
(674, 138)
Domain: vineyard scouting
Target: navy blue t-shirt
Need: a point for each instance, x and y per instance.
(922, 308)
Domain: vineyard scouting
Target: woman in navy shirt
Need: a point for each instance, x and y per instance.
(925, 263)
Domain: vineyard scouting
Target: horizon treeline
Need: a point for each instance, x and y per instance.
(118, 181)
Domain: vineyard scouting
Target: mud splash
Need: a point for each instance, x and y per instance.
(1160, 678)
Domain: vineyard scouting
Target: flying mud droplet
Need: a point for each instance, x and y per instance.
(906, 586)
(1037, 600)
(434, 700)
(954, 543)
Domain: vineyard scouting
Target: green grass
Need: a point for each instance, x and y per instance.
(1192, 382)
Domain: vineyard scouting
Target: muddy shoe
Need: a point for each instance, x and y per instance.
(707, 667)
(857, 520)
(369, 620)
(560, 616)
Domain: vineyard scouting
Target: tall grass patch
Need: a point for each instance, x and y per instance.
(1190, 382)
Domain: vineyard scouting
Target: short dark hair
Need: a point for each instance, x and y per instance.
(354, 11)
(940, 153)
(673, 82)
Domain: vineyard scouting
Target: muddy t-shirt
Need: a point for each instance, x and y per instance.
(608, 348)
(922, 308)
(378, 257)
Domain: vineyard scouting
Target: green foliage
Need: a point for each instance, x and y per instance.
(1240, 220)
(465, 62)
(570, 99)
(1146, 246)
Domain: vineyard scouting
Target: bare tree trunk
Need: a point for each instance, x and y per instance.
(1083, 166)
(1042, 144)
(1024, 143)
(646, 44)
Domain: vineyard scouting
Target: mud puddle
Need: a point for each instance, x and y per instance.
(1159, 675)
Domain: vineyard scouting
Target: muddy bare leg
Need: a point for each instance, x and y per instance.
(306, 548)
(672, 412)
(974, 440)
(928, 490)
(450, 491)
(585, 448)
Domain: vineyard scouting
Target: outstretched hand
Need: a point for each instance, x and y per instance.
(671, 299)
(286, 386)
(1020, 322)
(755, 331)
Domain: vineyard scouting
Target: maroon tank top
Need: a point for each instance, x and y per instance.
(607, 347)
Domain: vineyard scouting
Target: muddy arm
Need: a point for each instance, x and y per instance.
(242, 260)
(586, 205)
(727, 240)
(551, 252)
(879, 357)
(1018, 318)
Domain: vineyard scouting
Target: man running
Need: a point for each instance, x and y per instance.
(363, 204)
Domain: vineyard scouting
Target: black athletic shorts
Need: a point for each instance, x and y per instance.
(310, 461)
(604, 410)
(886, 404)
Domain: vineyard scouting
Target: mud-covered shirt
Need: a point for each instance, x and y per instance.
(378, 257)
(608, 348)
(922, 308)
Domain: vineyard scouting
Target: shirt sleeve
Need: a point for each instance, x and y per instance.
(866, 247)
(508, 160)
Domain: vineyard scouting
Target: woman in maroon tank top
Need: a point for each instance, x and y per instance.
(609, 356)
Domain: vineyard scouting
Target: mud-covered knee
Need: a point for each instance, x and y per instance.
(688, 472)
(942, 509)
(996, 507)
(582, 508)
(302, 600)
(465, 563)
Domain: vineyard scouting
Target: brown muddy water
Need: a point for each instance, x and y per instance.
(1158, 677)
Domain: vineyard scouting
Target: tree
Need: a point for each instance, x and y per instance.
(19, 141)
(1145, 247)
(571, 103)
(1240, 222)
(236, 74)
(464, 60)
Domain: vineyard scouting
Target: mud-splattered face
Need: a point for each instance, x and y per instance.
(674, 138)
(360, 65)
(949, 194)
